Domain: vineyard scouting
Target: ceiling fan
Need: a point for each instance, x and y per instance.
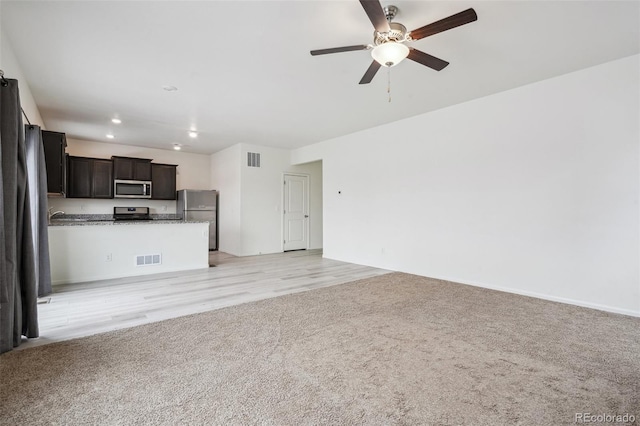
(389, 38)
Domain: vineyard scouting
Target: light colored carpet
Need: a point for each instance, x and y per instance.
(395, 349)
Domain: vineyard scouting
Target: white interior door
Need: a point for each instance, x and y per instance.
(296, 212)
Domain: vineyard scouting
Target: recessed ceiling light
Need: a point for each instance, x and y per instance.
(193, 134)
(116, 120)
(177, 146)
(110, 136)
(170, 88)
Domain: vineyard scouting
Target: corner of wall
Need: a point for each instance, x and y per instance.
(12, 69)
(226, 179)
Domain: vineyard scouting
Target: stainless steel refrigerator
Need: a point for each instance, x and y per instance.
(200, 205)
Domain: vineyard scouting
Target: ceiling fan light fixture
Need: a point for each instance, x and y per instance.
(389, 54)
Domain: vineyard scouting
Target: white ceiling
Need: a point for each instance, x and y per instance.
(244, 72)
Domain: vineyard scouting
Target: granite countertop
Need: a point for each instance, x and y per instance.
(100, 219)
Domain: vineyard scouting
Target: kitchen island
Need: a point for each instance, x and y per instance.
(87, 250)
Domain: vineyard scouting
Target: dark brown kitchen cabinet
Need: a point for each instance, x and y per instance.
(55, 159)
(127, 168)
(79, 177)
(90, 178)
(163, 181)
(102, 179)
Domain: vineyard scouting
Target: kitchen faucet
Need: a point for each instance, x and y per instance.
(54, 213)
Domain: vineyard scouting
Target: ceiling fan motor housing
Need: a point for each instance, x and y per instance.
(397, 34)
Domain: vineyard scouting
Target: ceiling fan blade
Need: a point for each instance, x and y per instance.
(445, 24)
(376, 15)
(371, 72)
(339, 49)
(426, 59)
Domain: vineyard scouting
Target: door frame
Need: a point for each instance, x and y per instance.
(307, 207)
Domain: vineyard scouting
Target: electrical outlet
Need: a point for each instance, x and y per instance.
(163, 208)
(83, 207)
(109, 258)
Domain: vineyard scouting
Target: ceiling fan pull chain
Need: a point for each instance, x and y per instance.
(389, 82)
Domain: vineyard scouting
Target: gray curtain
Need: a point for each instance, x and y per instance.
(37, 176)
(18, 283)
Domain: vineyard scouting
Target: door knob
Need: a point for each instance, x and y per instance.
(306, 215)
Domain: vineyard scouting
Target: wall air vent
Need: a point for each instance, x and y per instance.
(253, 159)
(148, 259)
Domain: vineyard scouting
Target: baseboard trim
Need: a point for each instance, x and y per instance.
(565, 300)
(543, 296)
(79, 280)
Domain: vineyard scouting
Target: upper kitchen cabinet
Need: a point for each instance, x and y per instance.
(127, 168)
(102, 178)
(55, 145)
(163, 181)
(90, 178)
(80, 177)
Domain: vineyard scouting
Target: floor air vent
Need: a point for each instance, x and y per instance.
(253, 159)
(148, 259)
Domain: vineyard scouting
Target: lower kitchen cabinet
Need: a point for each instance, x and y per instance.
(90, 178)
(163, 181)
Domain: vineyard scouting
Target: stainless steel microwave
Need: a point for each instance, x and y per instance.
(131, 189)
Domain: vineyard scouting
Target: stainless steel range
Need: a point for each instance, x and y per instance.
(131, 213)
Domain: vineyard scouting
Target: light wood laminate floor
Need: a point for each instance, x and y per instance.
(83, 309)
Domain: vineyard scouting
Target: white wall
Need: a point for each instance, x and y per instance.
(262, 200)
(534, 191)
(105, 206)
(9, 64)
(252, 222)
(193, 172)
(97, 252)
(316, 218)
(225, 178)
